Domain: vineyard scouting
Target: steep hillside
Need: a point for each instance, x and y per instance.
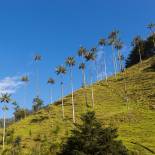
(131, 111)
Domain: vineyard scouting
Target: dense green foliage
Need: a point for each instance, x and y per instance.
(90, 138)
(147, 51)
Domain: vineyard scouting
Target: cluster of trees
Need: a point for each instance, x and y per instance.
(142, 49)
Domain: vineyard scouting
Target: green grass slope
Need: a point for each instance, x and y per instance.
(134, 119)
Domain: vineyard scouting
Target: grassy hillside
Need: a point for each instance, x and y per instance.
(134, 119)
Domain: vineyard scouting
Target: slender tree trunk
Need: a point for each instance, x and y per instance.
(92, 92)
(105, 66)
(37, 81)
(4, 128)
(84, 85)
(62, 100)
(140, 56)
(84, 78)
(120, 61)
(96, 70)
(25, 98)
(72, 87)
(114, 61)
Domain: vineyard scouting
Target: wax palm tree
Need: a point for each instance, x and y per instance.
(112, 38)
(102, 43)
(94, 50)
(82, 67)
(51, 82)
(138, 43)
(37, 59)
(25, 80)
(70, 62)
(151, 27)
(118, 46)
(81, 52)
(5, 99)
(61, 70)
(90, 56)
(37, 103)
(121, 59)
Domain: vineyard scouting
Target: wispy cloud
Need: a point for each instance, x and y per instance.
(10, 84)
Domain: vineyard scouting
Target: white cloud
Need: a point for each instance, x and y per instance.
(10, 84)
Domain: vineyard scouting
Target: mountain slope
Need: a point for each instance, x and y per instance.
(134, 119)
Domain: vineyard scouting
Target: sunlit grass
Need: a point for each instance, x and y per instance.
(134, 120)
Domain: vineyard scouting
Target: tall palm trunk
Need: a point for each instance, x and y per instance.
(105, 67)
(92, 92)
(25, 100)
(114, 61)
(37, 80)
(62, 100)
(4, 128)
(96, 70)
(84, 78)
(72, 87)
(140, 56)
(120, 61)
(84, 85)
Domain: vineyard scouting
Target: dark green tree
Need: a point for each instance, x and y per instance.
(147, 50)
(151, 27)
(90, 138)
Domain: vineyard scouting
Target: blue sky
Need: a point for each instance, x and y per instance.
(56, 29)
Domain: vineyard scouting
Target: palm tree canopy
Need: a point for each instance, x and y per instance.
(37, 57)
(90, 56)
(82, 51)
(60, 70)
(102, 42)
(94, 50)
(24, 79)
(82, 66)
(51, 81)
(118, 44)
(5, 98)
(70, 61)
(113, 37)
